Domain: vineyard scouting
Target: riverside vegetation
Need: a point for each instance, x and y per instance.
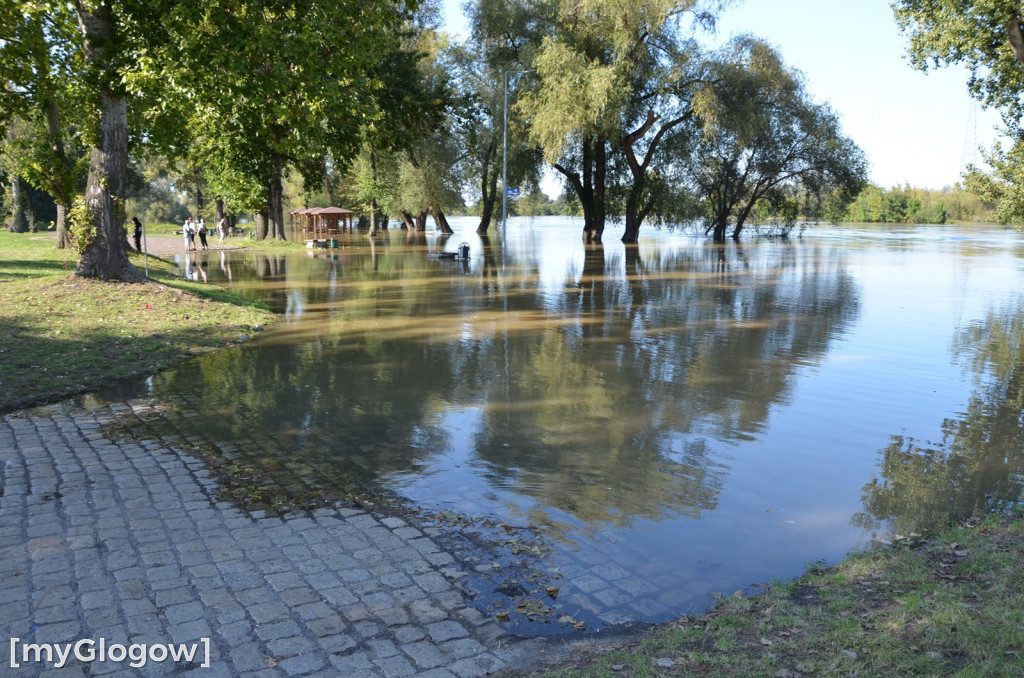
(949, 604)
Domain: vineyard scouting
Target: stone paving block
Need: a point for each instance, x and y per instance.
(272, 611)
(298, 596)
(354, 664)
(303, 664)
(107, 616)
(395, 667)
(274, 631)
(312, 611)
(185, 612)
(189, 631)
(462, 647)
(425, 655)
(481, 665)
(433, 582)
(290, 646)
(236, 632)
(382, 647)
(248, 657)
(446, 630)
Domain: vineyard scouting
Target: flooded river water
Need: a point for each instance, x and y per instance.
(676, 419)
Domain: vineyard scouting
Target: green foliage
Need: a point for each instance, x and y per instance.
(765, 142)
(1004, 185)
(81, 224)
(906, 205)
(982, 35)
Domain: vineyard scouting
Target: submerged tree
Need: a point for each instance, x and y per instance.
(764, 139)
(615, 77)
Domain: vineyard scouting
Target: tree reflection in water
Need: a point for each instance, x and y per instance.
(577, 394)
(980, 456)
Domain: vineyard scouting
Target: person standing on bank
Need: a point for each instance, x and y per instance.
(202, 233)
(222, 228)
(186, 229)
(137, 234)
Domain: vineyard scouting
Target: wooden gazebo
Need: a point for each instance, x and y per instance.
(322, 221)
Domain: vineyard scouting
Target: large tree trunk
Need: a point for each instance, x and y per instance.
(441, 221)
(328, 184)
(62, 188)
(105, 256)
(600, 170)
(589, 185)
(17, 223)
(62, 226)
(275, 205)
(373, 200)
(260, 226)
(488, 189)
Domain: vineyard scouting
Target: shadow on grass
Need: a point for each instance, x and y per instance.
(34, 269)
(38, 370)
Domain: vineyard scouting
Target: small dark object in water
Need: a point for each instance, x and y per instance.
(446, 255)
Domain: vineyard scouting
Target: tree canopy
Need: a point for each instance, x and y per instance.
(241, 99)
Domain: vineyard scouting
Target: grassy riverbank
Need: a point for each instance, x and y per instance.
(61, 335)
(948, 605)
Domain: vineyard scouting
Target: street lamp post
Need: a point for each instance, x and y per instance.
(504, 154)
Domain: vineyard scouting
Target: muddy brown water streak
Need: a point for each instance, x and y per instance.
(679, 418)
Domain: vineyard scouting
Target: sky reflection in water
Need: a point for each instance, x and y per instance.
(679, 417)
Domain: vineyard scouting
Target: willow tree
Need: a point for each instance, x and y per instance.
(615, 76)
(764, 139)
(412, 153)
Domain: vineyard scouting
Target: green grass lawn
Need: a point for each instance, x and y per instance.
(61, 335)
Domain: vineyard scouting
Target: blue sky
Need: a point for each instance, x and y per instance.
(912, 125)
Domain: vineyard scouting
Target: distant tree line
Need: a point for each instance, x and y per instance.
(906, 205)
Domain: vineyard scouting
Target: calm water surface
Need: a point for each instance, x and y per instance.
(679, 418)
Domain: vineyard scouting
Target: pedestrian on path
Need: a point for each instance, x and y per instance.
(137, 234)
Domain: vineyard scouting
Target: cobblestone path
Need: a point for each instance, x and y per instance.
(128, 542)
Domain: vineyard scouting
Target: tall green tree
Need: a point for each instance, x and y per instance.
(1003, 186)
(293, 80)
(40, 58)
(764, 139)
(615, 76)
(494, 67)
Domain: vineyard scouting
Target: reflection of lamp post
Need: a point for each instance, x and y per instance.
(504, 155)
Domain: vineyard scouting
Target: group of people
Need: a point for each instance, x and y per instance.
(192, 228)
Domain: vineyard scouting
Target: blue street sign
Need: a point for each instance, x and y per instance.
(512, 192)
